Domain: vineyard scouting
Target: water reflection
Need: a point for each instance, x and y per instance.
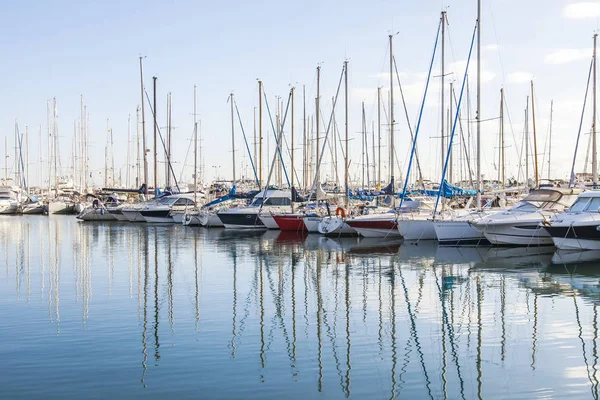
(273, 313)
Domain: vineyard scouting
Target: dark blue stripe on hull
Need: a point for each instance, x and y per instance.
(249, 220)
(156, 214)
(572, 232)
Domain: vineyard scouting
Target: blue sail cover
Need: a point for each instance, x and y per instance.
(449, 190)
(229, 196)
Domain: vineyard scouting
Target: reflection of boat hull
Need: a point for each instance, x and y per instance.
(335, 226)
(290, 222)
(515, 256)
(417, 229)
(575, 256)
(376, 246)
(376, 226)
(458, 233)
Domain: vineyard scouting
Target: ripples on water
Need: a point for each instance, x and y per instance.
(130, 310)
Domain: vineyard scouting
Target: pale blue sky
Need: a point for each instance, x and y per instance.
(64, 49)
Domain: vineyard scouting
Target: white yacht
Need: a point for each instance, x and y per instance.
(578, 228)
(264, 203)
(32, 205)
(9, 200)
(160, 212)
(520, 225)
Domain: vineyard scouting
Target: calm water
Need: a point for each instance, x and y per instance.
(120, 310)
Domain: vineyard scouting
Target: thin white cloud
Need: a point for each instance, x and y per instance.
(490, 47)
(519, 77)
(564, 56)
(582, 10)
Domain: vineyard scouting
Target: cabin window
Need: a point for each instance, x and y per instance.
(579, 205)
(278, 201)
(594, 204)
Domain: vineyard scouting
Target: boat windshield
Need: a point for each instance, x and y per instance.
(586, 204)
(527, 206)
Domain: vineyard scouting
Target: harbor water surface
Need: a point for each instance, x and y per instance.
(121, 310)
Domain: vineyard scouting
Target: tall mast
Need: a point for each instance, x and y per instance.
(55, 151)
(255, 149)
(502, 165)
(155, 140)
(449, 128)
(260, 136)
(49, 145)
(6, 160)
(443, 111)
(391, 162)
(478, 113)
(527, 143)
(232, 139)
(128, 173)
(535, 153)
(363, 145)
(27, 159)
(144, 128)
(346, 188)
(168, 150)
(305, 147)
(317, 117)
(293, 90)
(379, 135)
(594, 150)
(195, 151)
(41, 166)
(550, 138)
(137, 136)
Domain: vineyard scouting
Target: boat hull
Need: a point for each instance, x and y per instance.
(61, 207)
(290, 222)
(376, 227)
(241, 220)
(33, 210)
(572, 237)
(458, 233)
(335, 226)
(96, 214)
(517, 235)
(268, 221)
(133, 215)
(417, 229)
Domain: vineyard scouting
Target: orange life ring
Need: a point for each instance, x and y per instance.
(340, 212)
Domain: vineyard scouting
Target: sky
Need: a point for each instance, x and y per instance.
(64, 50)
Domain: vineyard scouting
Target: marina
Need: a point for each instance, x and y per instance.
(124, 309)
(279, 200)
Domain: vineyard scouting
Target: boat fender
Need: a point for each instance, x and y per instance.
(340, 212)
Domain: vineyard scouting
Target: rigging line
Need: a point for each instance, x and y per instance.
(463, 141)
(412, 137)
(454, 124)
(278, 150)
(163, 143)
(420, 114)
(186, 157)
(278, 144)
(572, 177)
(314, 184)
(246, 142)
